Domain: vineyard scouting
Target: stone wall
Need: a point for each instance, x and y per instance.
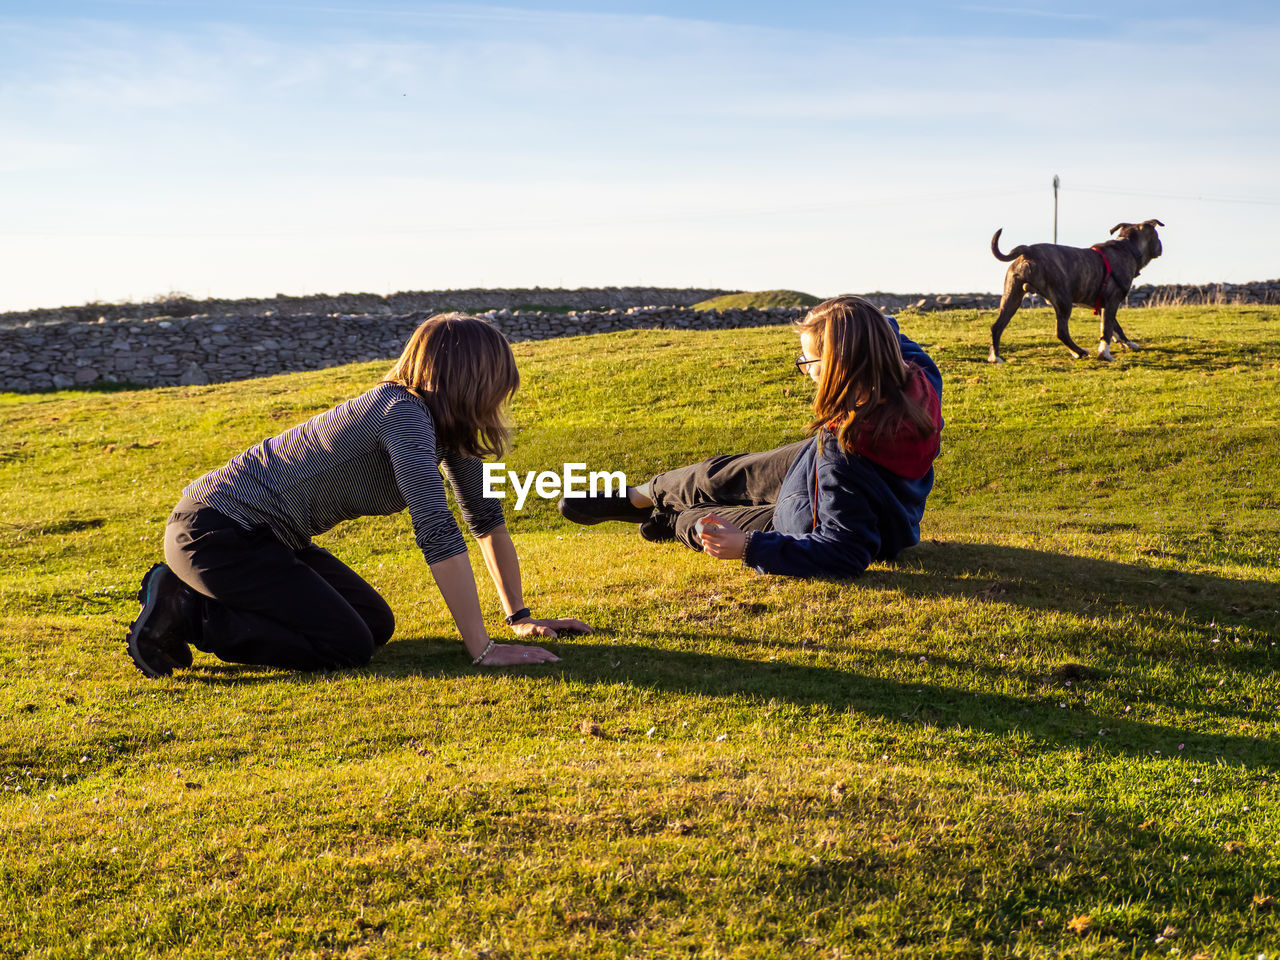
(165, 351)
(1201, 294)
(1146, 295)
(435, 301)
(161, 344)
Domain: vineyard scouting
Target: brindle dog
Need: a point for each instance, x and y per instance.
(1067, 275)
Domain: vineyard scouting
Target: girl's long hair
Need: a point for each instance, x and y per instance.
(863, 389)
(464, 369)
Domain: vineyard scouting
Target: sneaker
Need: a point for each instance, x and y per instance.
(595, 508)
(659, 528)
(157, 640)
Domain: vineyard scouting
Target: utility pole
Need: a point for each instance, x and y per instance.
(1055, 208)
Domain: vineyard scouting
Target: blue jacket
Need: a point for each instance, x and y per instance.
(865, 512)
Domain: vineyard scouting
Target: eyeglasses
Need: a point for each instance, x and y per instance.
(801, 362)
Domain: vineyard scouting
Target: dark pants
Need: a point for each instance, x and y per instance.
(267, 604)
(741, 488)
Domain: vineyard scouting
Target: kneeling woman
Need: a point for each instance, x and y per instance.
(826, 506)
(244, 581)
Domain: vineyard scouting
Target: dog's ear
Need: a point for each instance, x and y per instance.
(1152, 223)
(1120, 226)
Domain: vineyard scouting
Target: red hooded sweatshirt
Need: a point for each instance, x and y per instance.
(903, 451)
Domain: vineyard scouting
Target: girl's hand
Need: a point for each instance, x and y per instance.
(551, 627)
(720, 538)
(516, 655)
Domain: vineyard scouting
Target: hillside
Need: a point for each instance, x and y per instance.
(1051, 729)
(760, 300)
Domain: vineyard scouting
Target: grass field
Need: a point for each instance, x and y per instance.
(1050, 729)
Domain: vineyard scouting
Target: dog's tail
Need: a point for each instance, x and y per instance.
(1006, 257)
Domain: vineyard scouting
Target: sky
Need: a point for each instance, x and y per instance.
(252, 147)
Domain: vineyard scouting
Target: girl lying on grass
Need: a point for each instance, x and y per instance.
(244, 581)
(826, 506)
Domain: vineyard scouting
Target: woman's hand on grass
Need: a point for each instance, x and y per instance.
(516, 655)
(720, 538)
(549, 627)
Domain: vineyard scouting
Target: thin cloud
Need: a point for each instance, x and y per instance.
(1033, 13)
(513, 146)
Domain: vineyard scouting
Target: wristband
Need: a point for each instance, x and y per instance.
(484, 653)
(518, 615)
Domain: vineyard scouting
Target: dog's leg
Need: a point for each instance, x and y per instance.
(1062, 307)
(1014, 290)
(1117, 333)
(1106, 332)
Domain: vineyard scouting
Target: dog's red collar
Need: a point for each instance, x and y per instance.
(1097, 307)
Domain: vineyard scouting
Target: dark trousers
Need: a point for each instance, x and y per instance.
(741, 488)
(264, 603)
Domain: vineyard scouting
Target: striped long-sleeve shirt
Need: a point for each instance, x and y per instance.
(373, 455)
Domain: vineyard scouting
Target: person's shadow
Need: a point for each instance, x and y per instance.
(1041, 717)
(1165, 599)
(1167, 606)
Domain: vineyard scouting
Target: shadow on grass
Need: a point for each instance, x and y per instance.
(1013, 887)
(1169, 603)
(908, 703)
(1217, 352)
(915, 703)
(1040, 580)
(88, 389)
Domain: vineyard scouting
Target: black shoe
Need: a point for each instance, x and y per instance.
(158, 639)
(659, 528)
(595, 508)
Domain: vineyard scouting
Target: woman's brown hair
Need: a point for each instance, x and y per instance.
(464, 369)
(863, 388)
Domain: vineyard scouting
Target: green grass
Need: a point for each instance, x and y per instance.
(759, 300)
(1062, 704)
